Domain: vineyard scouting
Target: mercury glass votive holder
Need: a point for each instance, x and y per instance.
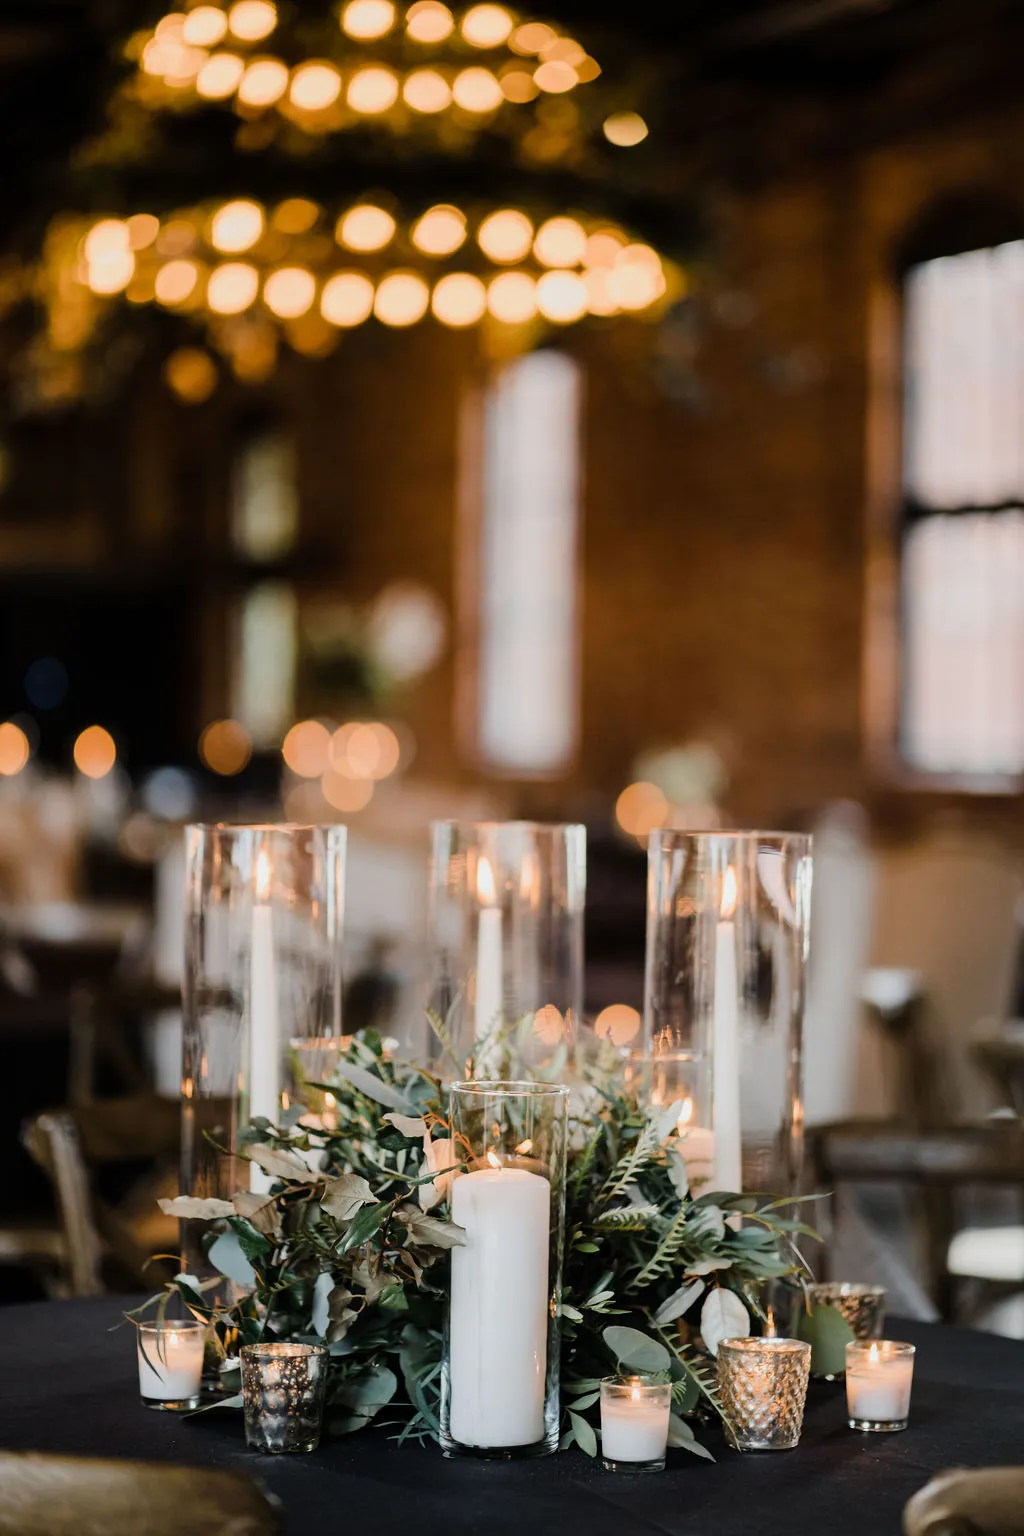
(879, 1378)
(634, 1423)
(763, 1386)
(171, 1364)
(862, 1308)
(283, 1395)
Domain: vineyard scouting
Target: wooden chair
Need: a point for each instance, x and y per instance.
(68, 1496)
(968, 1503)
(936, 1164)
(70, 1145)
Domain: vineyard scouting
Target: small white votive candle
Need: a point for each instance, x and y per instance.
(171, 1364)
(634, 1423)
(879, 1376)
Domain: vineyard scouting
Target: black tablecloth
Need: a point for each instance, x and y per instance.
(69, 1385)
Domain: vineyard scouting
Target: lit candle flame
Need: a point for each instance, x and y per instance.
(635, 1394)
(769, 1330)
(873, 1354)
(494, 1160)
(729, 894)
(262, 876)
(485, 887)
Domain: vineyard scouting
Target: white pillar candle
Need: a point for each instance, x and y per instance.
(170, 1362)
(498, 1327)
(489, 984)
(264, 1038)
(879, 1378)
(726, 1062)
(634, 1428)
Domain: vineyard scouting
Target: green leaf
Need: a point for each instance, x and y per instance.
(635, 1349)
(675, 1305)
(584, 1432)
(723, 1316)
(220, 1402)
(253, 1243)
(681, 1438)
(226, 1255)
(373, 1087)
(826, 1330)
(363, 1225)
(587, 1401)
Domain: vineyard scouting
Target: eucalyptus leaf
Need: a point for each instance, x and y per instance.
(252, 1242)
(676, 1304)
(280, 1163)
(635, 1349)
(320, 1311)
(826, 1330)
(586, 1439)
(373, 1087)
(431, 1230)
(723, 1316)
(343, 1197)
(675, 1163)
(187, 1208)
(363, 1226)
(408, 1125)
(682, 1438)
(226, 1255)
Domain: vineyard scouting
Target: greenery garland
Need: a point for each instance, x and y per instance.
(348, 1248)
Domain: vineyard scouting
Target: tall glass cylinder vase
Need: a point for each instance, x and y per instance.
(500, 1376)
(728, 918)
(262, 993)
(506, 921)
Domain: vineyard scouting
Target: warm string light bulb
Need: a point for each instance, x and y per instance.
(176, 281)
(505, 236)
(220, 76)
(315, 87)
(236, 226)
(367, 19)
(477, 90)
(426, 90)
(365, 228)
(439, 231)
(252, 20)
(486, 26)
(428, 21)
(289, 292)
(347, 299)
(233, 286)
(264, 82)
(204, 26)
(401, 299)
(372, 90)
(512, 298)
(459, 299)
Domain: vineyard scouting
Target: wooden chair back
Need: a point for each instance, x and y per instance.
(52, 1140)
(968, 1503)
(68, 1496)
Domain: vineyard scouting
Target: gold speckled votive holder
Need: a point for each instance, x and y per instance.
(862, 1307)
(283, 1395)
(763, 1387)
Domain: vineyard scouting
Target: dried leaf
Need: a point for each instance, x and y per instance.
(723, 1316)
(280, 1163)
(261, 1210)
(408, 1125)
(430, 1231)
(344, 1196)
(442, 1159)
(186, 1208)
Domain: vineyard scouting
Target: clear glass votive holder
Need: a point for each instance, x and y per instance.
(879, 1378)
(500, 1365)
(283, 1395)
(862, 1308)
(171, 1364)
(634, 1423)
(763, 1386)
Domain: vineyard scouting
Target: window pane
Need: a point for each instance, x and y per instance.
(264, 692)
(265, 510)
(964, 643)
(527, 665)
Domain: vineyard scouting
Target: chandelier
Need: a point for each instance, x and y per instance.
(419, 100)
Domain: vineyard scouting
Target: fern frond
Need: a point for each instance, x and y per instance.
(666, 1254)
(626, 1169)
(628, 1218)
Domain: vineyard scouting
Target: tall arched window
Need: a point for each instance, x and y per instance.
(962, 528)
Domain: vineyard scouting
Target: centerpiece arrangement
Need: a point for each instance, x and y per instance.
(347, 1242)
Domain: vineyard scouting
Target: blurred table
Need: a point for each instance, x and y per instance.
(70, 1386)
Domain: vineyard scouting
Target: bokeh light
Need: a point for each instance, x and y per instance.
(295, 215)
(315, 87)
(641, 808)
(486, 26)
(368, 18)
(372, 90)
(176, 281)
(232, 287)
(518, 85)
(505, 236)
(440, 230)
(94, 752)
(306, 747)
(289, 292)
(364, 750)
(346, 795)
(252, 20)
(562, 297)
(554, 76)
(365, 228)
(560, 242)
(459, 299)
(477, 90)
(347, 299)
(14, 749)
(220, 76)
(236, 226)
(401, 299)
(426, 90)
(264, 82)
(603, 248)
(225, 746)
(143, 229)
(637, 279)
(204, 26)
(428, 21)
(106, 238)
(624, 129)
(512, 297)
(532, 37)
(191, 373)
(618, 1023)
(111, 272)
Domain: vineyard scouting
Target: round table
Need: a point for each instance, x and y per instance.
(69, 1385)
